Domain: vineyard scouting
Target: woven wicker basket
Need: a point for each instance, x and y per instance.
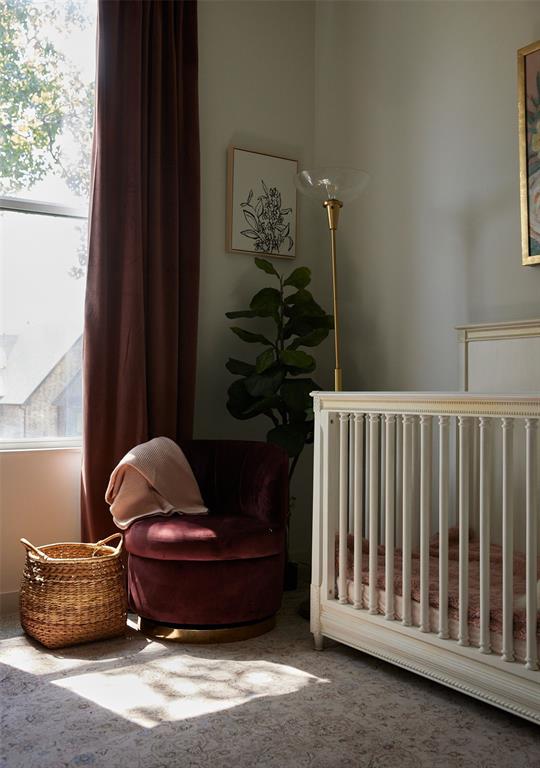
(73, 593)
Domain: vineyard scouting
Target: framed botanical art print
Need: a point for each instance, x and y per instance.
(261, 204)
(529, 150)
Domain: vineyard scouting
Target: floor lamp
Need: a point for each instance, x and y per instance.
(333, 187)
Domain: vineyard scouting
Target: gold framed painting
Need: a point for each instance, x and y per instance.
(529, 150)
(261, 204)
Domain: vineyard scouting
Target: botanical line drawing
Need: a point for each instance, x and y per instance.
(268, 223)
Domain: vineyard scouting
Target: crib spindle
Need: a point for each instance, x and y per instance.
(390, 423)
(508, 539)
(343, 505)
(407, 485)
(399, 478)
(444, 495)
(531, 511)
(425, 512)
(382, 480)
(358, 506)
(484, 425)
(352, 460)
(415, 475)
(463, 502)
(373, 508)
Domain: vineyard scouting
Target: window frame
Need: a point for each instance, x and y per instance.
(40, 208)
(22, 205)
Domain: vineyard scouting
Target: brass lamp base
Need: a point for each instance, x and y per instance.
(337, 379)
(203, 636)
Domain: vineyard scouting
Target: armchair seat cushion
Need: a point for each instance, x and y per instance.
(204, 538)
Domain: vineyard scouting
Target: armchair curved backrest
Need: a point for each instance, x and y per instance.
(241, 477)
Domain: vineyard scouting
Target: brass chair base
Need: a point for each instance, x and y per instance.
(201, 636)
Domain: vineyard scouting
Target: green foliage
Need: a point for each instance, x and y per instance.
(42, 97)
(277, 383)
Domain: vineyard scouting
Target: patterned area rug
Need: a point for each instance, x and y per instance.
(271, 701)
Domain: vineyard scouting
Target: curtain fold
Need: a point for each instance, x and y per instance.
(141, 305)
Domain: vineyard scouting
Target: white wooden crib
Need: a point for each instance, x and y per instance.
(398, 477)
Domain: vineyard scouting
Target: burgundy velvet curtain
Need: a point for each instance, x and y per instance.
(143, 269)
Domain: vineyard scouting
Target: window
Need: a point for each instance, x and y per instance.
(47, 66)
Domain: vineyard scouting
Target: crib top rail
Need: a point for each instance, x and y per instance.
(431, 403)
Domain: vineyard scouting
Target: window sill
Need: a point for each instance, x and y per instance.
(41, 444)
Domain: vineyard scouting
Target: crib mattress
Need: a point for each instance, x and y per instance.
(495, 623)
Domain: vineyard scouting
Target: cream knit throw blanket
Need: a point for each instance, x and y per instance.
(154, 478)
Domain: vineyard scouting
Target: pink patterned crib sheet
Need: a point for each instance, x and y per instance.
(495, 619)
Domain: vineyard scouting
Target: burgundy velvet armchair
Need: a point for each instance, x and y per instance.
(224, 569)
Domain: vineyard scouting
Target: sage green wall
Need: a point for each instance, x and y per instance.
(256, 91)
(423, 95)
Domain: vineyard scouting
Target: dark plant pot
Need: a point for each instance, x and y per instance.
(291, 576)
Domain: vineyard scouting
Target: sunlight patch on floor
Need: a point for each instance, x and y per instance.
(24, 654)
(176, 688)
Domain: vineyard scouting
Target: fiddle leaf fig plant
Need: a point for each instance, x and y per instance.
(277, 382)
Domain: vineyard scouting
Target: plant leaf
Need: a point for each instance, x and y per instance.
(264, 360)
(239, 400)
(265, 384)
(238, 368)
(243, 406)
(296, 396)
(249, 233)
(241, 313)
(301, 326)
(266, 302)
(266, 266)
(251, 338)
(296, 358)
(311, 339)
(300, 297)
(264, 405)
(299, 278)
(302, 304)
(288, 436)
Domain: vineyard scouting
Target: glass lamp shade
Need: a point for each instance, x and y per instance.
(328, 183)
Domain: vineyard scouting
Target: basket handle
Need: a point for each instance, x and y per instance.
(35, 550)
(109, 538)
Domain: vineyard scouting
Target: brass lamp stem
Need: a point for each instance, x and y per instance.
(332, 209)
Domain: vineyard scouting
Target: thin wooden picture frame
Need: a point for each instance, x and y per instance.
(529, 150)
(262, 207)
